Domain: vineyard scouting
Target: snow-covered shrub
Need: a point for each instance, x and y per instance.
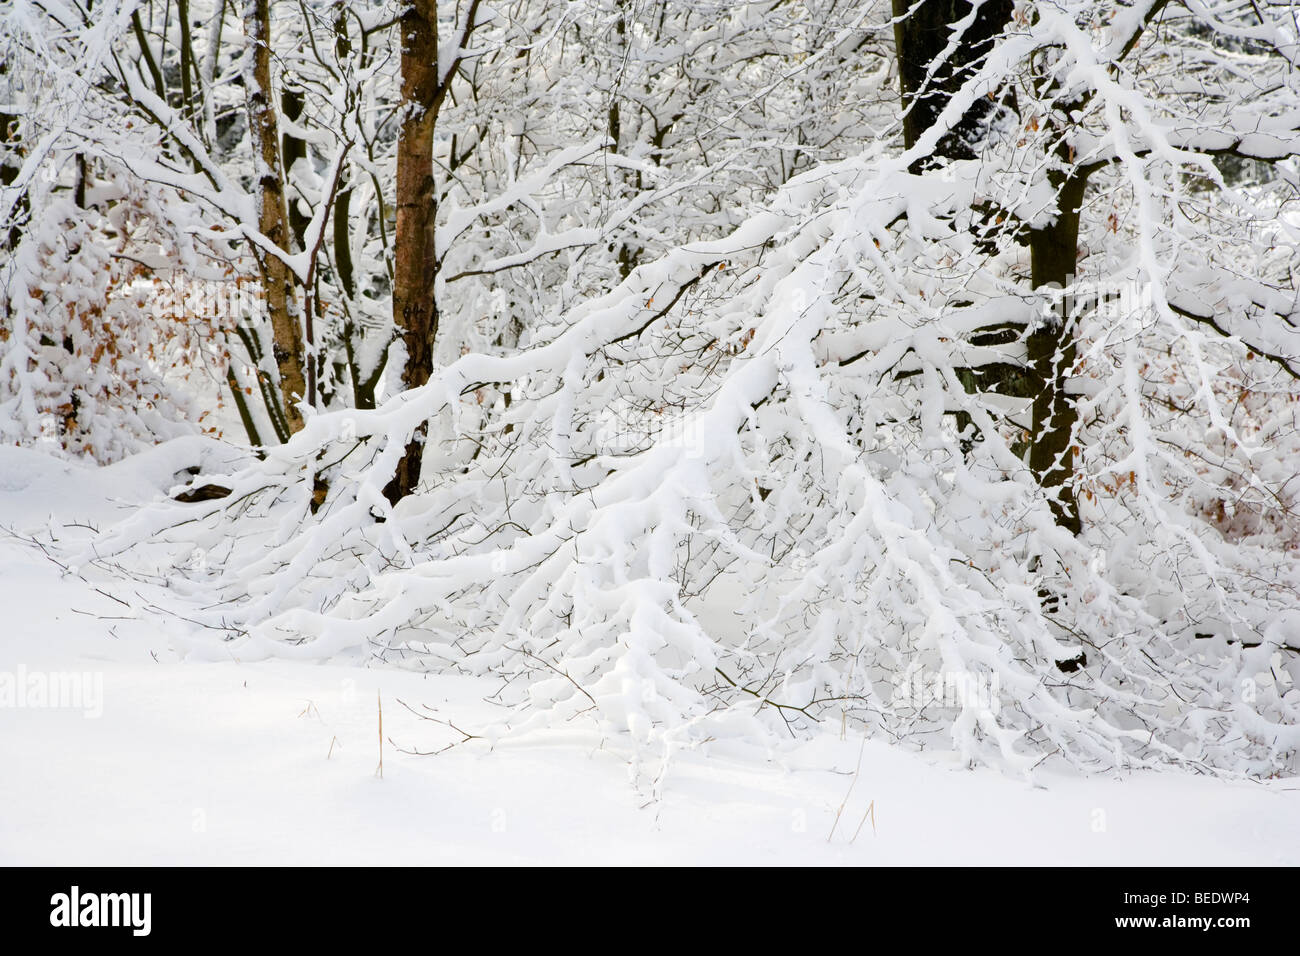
(790, 531)
(102, 351)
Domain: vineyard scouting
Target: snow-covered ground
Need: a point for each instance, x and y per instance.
(274, 762)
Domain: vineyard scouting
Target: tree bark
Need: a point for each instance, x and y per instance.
(415, 262)
(920, 38)
(1054, 251)
(293, 149)
(11, 161)
(273, 221)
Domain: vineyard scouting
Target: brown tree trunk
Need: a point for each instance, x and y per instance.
(415, 263)
(273, 221)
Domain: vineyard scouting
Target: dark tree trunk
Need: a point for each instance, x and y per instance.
(1054, 251)
(293, 149)
(11, 161)
(920, 39)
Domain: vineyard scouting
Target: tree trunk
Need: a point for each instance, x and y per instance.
(293, 149)
(273, 221)
(11, 161)
(920, 38)
(1053, 252)
(415, 263)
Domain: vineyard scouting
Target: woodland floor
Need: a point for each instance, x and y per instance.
(274, 762)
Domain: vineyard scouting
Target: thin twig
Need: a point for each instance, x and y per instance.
(380, 701)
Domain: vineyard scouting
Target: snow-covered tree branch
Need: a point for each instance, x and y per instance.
(751, 365)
